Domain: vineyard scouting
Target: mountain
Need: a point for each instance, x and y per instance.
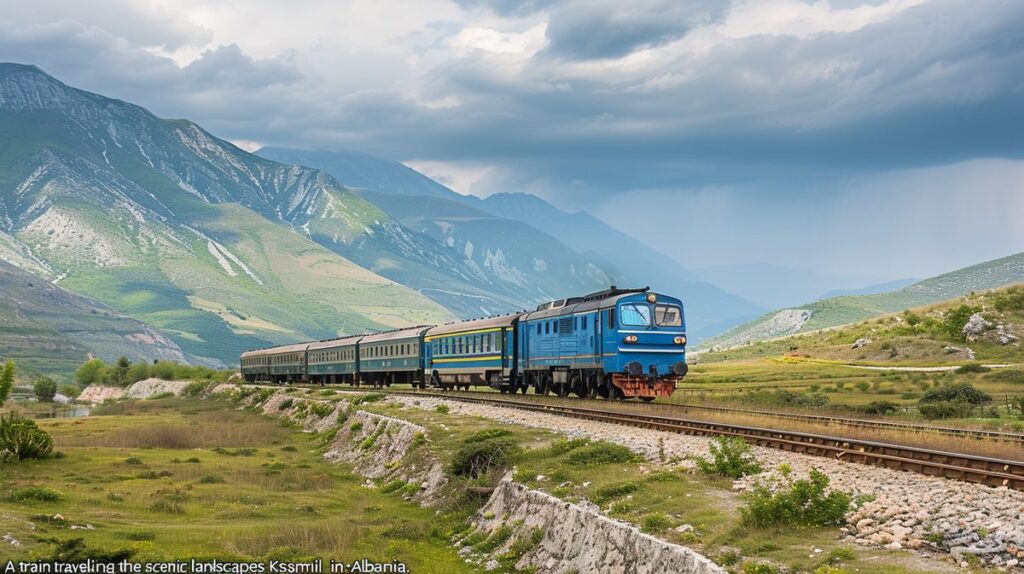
(850, 309)
(51, 330)
(931, 334)
(360, 171)
(774, 286)
(169, 225)
(709, 309)
(871, 289)
(548, 252)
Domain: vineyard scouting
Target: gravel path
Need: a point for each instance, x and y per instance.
(908, 511)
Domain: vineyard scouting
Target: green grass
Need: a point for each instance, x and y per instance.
(190, 501)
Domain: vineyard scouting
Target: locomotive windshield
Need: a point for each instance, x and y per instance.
(668, 316)
(636, 315)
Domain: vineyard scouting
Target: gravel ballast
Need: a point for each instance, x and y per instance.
(909, 511)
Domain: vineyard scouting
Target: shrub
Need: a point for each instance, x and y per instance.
(285, 404)
(862, 386)
(655, 522)
(601, 453)
(45, 389)
(945, 410)
(443, 409)
(195, 388)
(22, 439)
(730, 456)
(881, 408)
(160, 396)
(321, 409)
(370, 398)
(973, 368)
(71, 391)
(37, 493)
(1011, 300)
(805, 502)
(959, 392)
(477, 458)
(613, 491)
(955, 319)
(74, 551)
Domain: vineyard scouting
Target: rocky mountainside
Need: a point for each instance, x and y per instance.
(172, 226)
(836, 311)
(547, 252)
(51, 330)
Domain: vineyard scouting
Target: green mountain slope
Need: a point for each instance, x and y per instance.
(166, 223)
(850, 309)
(51, 330)
(932, 334)
(522, 240)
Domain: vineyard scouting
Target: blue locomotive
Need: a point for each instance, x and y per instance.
(616, 343)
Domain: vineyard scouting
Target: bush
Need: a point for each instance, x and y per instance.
(655, 522)
(45, 389)
(1011, 300)
(973, 368)
(74, 551)
(945, 410)
(442, 409)
(159, 396)
(195, 389)
(37, 493)
(730, 456)
(601, 453)
(881, 408)
(613, 491)
(805, 502)
(71, 391)
(287, 404)
(959, 392)
(955, 319)
(370, 398)
(477, 458)
(21, 438)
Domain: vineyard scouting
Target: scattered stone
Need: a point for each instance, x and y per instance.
(1003, 337)
(684, 528)
(860, 343)
(975, 326)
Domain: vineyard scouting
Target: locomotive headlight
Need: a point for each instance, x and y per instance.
(652, 298)
(630, 339)
(680, 340)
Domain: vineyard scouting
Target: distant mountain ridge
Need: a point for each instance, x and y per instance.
(560, 252)
(843, 310)
(168, 224)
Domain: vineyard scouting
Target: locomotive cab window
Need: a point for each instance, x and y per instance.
(635, 315)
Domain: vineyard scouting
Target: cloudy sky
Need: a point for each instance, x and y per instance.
(877, 139)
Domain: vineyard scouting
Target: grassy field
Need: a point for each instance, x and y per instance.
(178, 479)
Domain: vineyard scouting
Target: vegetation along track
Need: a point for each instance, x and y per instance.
(957, 466)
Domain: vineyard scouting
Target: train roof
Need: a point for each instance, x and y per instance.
(407, 333)
(474, 325)
(332, 343)
(594, 301)
(277, 350)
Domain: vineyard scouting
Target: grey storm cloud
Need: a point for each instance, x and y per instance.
(935, 83)
(605, 29)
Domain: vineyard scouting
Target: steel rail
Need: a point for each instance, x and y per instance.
(957, 466)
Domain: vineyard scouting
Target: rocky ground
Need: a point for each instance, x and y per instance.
(973, 523)
(141, 390)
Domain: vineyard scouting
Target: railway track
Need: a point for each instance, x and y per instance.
(956, 466)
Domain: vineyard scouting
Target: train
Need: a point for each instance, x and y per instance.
(614, 344)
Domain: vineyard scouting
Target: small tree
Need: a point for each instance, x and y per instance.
(6, 381)
(92, 372)
(45, 389)
(138, 372)
(120, 375)
(730, 456)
